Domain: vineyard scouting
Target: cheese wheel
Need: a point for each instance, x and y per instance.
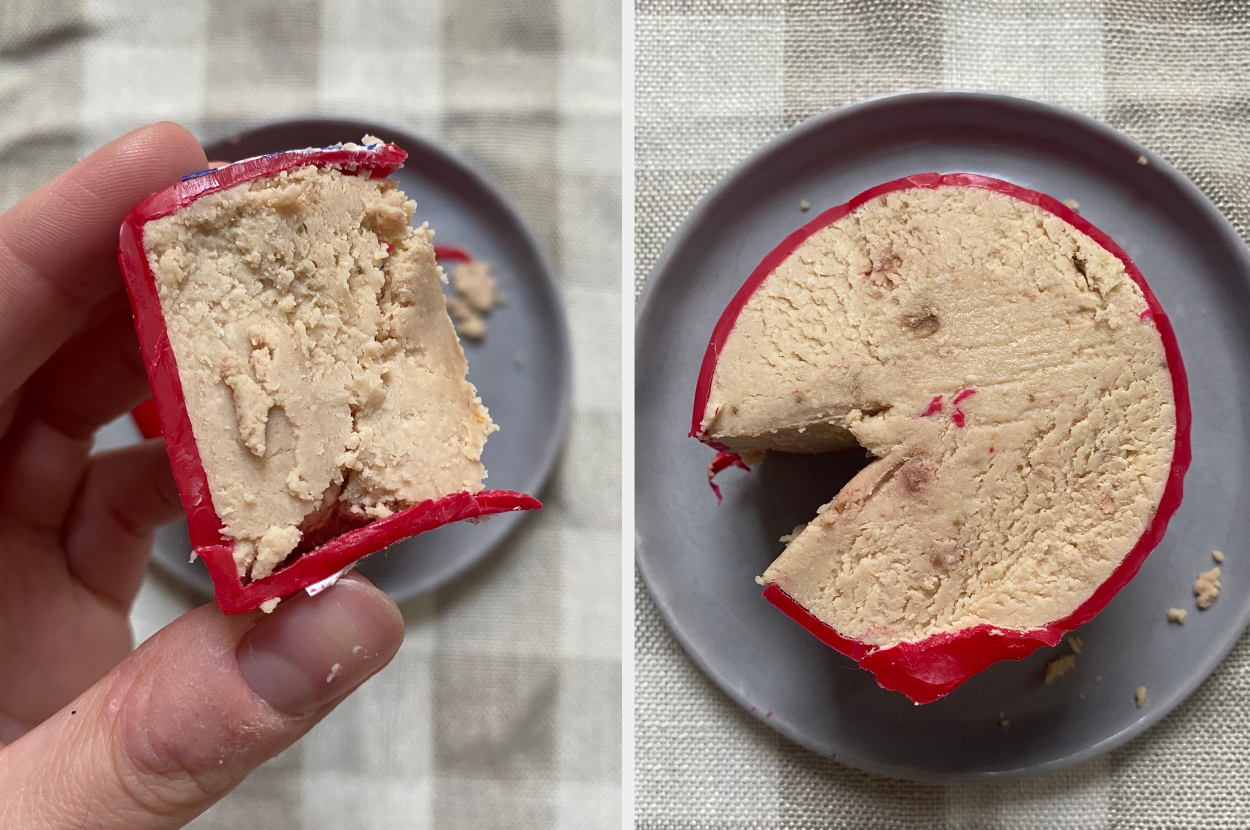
(1020, 389)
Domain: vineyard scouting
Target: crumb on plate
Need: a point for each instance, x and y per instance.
(1207, 587)
(1058, 667)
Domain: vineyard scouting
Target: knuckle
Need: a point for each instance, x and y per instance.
(162, 764)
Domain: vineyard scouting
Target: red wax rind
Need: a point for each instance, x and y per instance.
(720, 462)
(931, 668)
(147, 419)
(204, 526)
(452, 253)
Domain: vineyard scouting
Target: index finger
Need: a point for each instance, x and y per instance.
(58, 246)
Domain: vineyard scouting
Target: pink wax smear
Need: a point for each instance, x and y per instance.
(958, 417)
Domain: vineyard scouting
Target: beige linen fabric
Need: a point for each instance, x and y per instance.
(715, 78)
(502, 710)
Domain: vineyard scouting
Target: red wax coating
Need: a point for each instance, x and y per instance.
(935, 406)
(452, 253)
(146, 419)
(720, 462)
(931, 668)
(204, 526)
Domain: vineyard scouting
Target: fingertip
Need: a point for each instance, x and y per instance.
(142, 162)
(385, 605)
(312, 650)
(165, 144)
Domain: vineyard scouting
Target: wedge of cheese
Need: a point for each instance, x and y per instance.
(305, 370)
(1021, 390)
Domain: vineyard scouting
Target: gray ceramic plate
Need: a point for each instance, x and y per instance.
(699, 558)
(522, 369)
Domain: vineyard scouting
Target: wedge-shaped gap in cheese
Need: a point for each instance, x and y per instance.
(323, 380)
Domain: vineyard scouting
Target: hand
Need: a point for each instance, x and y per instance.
(167, 730)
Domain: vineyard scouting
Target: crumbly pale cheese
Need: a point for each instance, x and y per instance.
(1207, 587)
(1002, 368)
(1059, 667)
(475, 294)
(468, 322)
(474, 283)
(1177, 615)
(321, 372)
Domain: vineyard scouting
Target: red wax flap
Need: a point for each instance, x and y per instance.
(931, 668)
(203, 524)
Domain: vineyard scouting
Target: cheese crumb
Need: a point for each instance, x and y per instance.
(268, 605)
(476, 293)
(1143, 161)
(804, 206)
(1217, 556)
(468, 323)
(1207, 587)
(1073, 204)
(335, 671)
(1076, 644)
(1058, 667)
(792, 535)
(475, 285)
(1177, 615)
(358, 651)
(1139, 696)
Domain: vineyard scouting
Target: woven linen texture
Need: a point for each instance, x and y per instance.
(502, 710)
(714, 80)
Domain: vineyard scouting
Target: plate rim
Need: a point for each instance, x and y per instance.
(1227, 638)
(539, 479)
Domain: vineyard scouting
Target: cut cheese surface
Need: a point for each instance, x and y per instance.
(1006, 373)
(322, 377)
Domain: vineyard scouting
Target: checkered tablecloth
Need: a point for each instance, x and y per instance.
(714, 80)
(502, 710)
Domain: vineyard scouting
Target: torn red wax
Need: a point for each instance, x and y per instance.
(720, 462)
(204, 526)
(931, 668)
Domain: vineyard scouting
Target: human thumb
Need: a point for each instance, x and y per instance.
(184, 719)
